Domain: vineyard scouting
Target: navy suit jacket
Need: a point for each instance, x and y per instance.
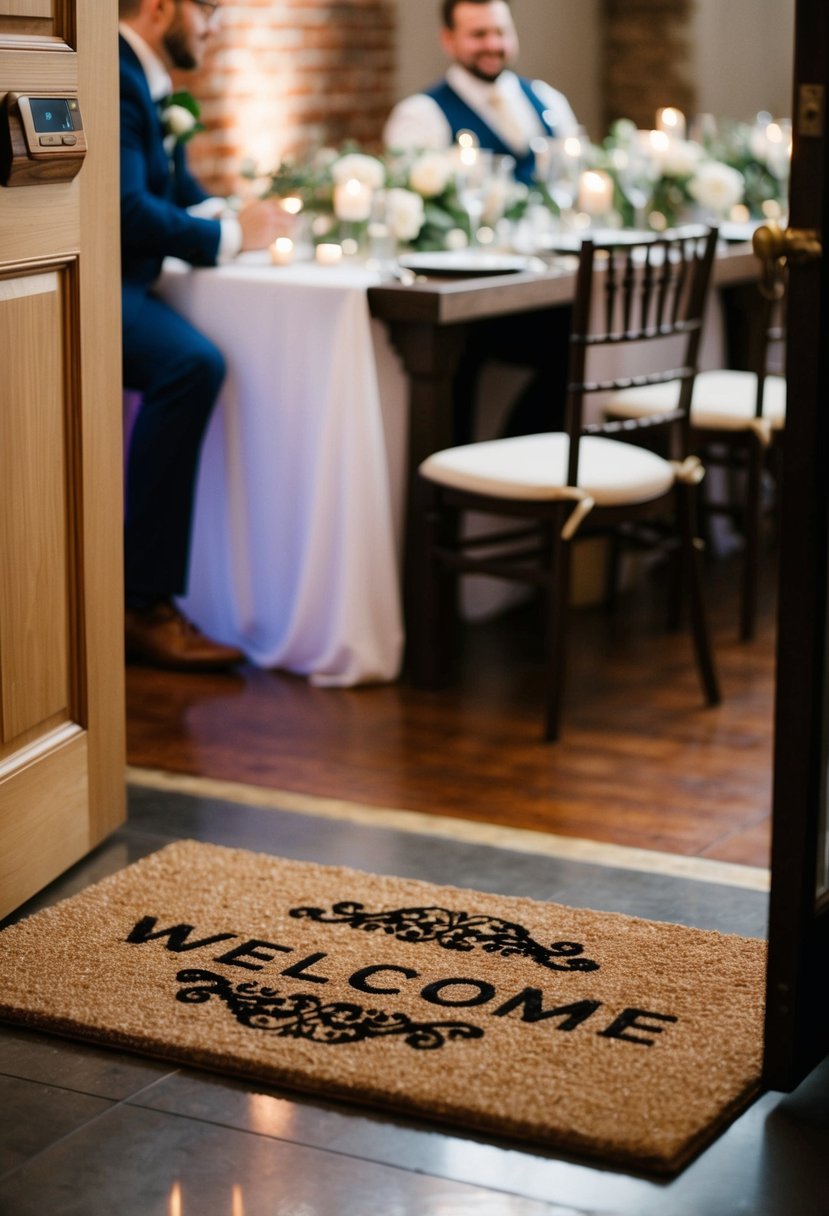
(154, 194)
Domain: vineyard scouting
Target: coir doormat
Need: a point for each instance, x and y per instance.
(595, 1033)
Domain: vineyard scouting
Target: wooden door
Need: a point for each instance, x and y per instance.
(61, 614)
(797, 1008)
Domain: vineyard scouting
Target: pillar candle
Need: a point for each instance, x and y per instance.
(329, 255)
(282, 251)
(671, 121)
(352, 201)
(595, 192)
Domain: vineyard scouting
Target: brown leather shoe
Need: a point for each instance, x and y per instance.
(162, 637)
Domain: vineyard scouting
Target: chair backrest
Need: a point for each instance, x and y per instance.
(650, 294)
(767, 353)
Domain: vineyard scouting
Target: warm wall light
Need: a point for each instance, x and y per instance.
(174, 1201)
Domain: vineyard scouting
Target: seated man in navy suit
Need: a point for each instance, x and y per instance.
(481, 93)
(165, 212)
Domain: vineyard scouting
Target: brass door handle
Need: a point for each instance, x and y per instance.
(795, 245)
(778, 248)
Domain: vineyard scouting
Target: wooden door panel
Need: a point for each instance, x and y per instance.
(32, 19)
(61, 599)
(34, 605)
(54, 832)
(25, 8)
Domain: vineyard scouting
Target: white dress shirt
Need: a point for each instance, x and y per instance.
(419, 122)
(160, 84)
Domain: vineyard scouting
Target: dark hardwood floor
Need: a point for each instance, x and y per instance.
(642, 763)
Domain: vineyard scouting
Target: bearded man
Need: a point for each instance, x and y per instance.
(505, 112)
(481, 93)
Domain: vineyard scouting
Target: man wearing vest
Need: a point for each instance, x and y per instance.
(480, 93)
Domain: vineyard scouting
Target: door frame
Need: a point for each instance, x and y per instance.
(797, 998)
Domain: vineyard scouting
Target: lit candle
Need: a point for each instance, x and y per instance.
(352, 201)
(595, 192)
(174, 1204)
(282, 251)
(329, 255)
(660, 141)
(292, 204)
(671, 121)
(778, 149)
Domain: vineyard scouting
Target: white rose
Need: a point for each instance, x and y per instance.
(179, 121)
(624, 130)
(758, 143)
(430, 173)
(405, 213)
(716, 186)
(681, 158)
(366, 169)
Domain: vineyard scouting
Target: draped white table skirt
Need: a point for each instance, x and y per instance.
(296, 548)
(296, 541)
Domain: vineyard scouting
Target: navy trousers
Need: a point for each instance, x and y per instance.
(179, 373)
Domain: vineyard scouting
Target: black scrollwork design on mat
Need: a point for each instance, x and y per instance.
(455, 931)
(303, 1016)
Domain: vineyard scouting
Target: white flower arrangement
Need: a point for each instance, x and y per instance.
(430, 174)
(405, 213)
(716, 187)
(680, 158)
(356, 166)
(656, 183)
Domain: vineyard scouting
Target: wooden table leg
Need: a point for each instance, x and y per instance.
(430, 355)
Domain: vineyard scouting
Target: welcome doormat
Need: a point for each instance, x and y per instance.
(600, 1034)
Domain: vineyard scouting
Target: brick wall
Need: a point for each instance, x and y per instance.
(288, 76)
(646, 48)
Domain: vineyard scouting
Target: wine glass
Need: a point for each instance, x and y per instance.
(636, 173)
(473, 174)
(562, 161)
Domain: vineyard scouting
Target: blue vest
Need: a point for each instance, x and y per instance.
(461, 117)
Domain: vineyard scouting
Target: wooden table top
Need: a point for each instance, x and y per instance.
(449, 301)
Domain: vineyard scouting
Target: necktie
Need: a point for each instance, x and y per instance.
(508, 125)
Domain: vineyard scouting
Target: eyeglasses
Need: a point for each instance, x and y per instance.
(211, 7)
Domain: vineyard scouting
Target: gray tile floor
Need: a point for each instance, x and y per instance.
(93, 1132)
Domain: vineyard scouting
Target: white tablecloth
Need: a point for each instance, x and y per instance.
(296, 540)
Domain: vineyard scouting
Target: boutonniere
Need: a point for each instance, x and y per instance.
(180, 119)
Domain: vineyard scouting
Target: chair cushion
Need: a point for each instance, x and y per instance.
(722, 401)
(534, 468)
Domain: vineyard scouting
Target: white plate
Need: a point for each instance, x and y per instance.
(738, 232)
(463, 262)
(571, 242)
